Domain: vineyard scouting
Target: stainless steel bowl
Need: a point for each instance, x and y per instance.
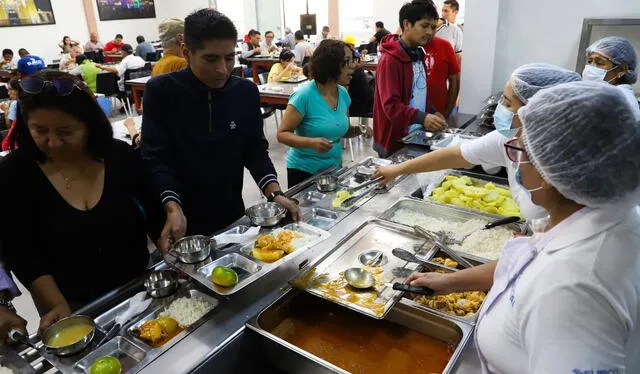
(266, 214)
(327, 183)
(61, 325)
(161, 283)
(192, 249)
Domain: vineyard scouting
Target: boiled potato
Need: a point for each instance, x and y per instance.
(267, 255)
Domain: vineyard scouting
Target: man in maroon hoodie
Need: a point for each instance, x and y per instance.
(400, 101)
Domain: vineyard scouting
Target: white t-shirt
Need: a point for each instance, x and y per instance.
(300, 50)
(575, 309)
(489, 152)
(627, 90)
(128, 63)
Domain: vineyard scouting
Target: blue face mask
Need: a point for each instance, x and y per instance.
(502, 120)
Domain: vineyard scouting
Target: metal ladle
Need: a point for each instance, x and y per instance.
(362, 279)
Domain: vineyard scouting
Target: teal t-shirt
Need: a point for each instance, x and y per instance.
(319, 121)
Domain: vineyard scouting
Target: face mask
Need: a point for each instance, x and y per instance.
(593, 73)
(502, 120)
(518, 176)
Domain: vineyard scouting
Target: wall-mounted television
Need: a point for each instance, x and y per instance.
(110, 10)
(26, 13)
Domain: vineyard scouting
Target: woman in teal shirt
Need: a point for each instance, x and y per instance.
(317, 118)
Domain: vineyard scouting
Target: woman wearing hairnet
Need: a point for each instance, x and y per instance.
(614, 60)
(489, 150)
(566, 300)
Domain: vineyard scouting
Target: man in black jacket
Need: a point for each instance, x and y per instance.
(201, 128)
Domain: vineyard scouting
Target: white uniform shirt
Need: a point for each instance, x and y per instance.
(627, 90)
(128, 63)
(489, 152)
(575, 309)
(302, 50)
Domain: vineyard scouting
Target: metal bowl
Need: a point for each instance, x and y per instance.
(266, 214)
(327, 183)
(61, 325)
(194, 248)
(161, 283)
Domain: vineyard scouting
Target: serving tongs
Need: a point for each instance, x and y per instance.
(439, 241)
(365, 185)
(354, 199)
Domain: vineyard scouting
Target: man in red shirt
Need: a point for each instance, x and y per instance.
(402, 102)
(443, 75)
(114, 46)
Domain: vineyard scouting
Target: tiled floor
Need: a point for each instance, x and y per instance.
(251, 195)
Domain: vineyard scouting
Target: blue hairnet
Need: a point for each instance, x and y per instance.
(531, 78)
(583, 139)
(619, 51)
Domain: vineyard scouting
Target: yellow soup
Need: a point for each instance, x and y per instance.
(69, 335)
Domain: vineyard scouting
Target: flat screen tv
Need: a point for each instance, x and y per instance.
(109, 10)
(26, 13)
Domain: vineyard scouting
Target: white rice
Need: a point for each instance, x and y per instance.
(486, 243)
(299, 239)
(483, 243)
(187, 310)
(5, 370)
(456, 230)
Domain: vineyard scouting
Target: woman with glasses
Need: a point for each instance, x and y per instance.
(613, 60)
(79, 202)
(488, 150)
(566, 300)
(316, 118)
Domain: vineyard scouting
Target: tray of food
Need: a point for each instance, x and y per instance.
(444, 140)
(303, 334)
(369, 247)
(294, 78)
(118, 355)
(464, 227)
(463, 306)
(471, 192)
(228, 271)
(361, 172)
(426, 138)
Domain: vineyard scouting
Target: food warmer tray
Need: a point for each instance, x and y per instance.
(238, 257)
(449, 212)
(363, 243)
(444, 140)
(426, 138)
(293, 359)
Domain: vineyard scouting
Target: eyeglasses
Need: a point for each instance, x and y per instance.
(514, 152)
(63, 86)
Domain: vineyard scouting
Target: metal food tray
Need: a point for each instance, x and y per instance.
(373, 235)
(12, 360)
(291, 358)
(449, 212)
(477, 181)
(238, 258)
(135, 352)
(297, 80)
(466, 319)
(426, 138)
(444, 140)
(350, 178)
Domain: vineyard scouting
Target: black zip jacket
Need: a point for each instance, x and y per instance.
(197, 142)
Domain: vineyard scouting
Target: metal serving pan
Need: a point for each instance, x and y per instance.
(372, 237)
(129, 355)
(12, 360)
(444, 140)
(433, 209)
(248, 268)
(293, 359)
(426, 138)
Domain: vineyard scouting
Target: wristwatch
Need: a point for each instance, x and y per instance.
(272, 196)
(7, 303)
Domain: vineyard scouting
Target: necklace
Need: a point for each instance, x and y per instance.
(69, 180)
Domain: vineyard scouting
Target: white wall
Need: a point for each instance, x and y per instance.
(387, 12)
(147, 27)
(43, 40)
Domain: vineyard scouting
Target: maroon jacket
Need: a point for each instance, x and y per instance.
(394, 84)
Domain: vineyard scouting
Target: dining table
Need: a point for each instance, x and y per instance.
(137, 88)
(265, 61)
(277, 93)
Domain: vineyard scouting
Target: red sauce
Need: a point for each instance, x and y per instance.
(361, 344)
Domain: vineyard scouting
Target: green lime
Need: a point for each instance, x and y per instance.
(224, 276)
(106, 365)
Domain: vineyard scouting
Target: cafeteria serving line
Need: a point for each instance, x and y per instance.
(413, 262)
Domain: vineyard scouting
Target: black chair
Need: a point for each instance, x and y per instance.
(305, 60)
(4, 92)
(91, 55)
(151, 56)
(128, 75)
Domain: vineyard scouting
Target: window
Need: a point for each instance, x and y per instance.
(231, 9)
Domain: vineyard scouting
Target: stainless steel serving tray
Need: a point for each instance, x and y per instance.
(239, 259)
(476, 179)
(12, 360)
(410, 302)
(371, 237)
(352, 178)
(444, 140)
(426, 138)
(448, 212)
(293, 359)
